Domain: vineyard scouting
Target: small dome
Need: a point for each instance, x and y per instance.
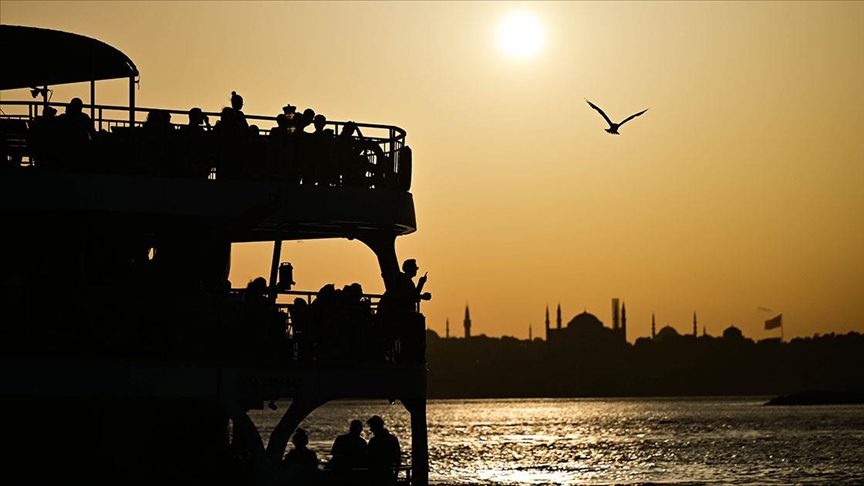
(585, 320)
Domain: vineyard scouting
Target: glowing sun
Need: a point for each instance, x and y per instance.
(520, 35)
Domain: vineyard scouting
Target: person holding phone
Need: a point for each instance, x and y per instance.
(402, 294)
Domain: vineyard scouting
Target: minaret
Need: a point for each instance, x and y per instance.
(559, 316)
(694, 323)
(616, 317)
(623, 322)
(467, 322)
(530, 337)
(653, 327)
(547, 323)
(447, 335)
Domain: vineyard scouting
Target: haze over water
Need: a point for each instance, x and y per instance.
(522, 442)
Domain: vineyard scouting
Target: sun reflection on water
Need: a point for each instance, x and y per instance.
(627, 442)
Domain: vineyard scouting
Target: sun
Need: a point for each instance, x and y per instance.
(520, 35)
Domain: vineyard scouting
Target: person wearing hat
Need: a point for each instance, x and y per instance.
(384, 455)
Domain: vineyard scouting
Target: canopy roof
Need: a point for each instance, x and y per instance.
(38, 57)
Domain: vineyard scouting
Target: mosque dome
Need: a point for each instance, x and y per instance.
(585, 321)
(668, 332)
(732, 332)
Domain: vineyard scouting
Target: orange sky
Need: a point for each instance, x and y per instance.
(742, 187)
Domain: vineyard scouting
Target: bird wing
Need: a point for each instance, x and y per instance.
(601, 112)
(632, 117)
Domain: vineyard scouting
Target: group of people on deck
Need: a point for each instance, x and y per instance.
(353, 459)
(300, 149)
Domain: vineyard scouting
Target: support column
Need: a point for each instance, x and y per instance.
(419, 441)
(384, 247)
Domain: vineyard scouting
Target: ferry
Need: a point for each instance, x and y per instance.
(128, 357)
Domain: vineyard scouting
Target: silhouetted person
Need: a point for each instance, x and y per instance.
(44, 139)
(321, 162)
(306, 119)
(157, 143)
(281, 148)
(290, 112)
(256, 153)
(231, 136)
(401, 292)
(383, 454)
(194, 145)
(348, 451)
(237, 106)
(76, 133)
(301, 463)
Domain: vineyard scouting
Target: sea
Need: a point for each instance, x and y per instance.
(622, 441)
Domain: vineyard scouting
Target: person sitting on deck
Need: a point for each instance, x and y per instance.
(383, 455)
(301, 463)
(348, 452)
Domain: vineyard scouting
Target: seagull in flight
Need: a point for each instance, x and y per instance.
(613, 127)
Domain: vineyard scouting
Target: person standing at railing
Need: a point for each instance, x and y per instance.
(321, 163)
(44, 143)
(194, 145)
(237, 106)
(76, 134)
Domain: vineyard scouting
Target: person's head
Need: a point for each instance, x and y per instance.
(282, 120)
(196, 117)
(376, 424)
(236, 100)
(75, 106)
(356, 427)
(308, 115)
(258, 286)
(226, 115)
(49, 112)
(300, 438)
(319, 121)
(410, 267)
(254, 130)
(289, 109)
(349, 129)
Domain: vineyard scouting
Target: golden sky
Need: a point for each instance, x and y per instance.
(741, 188)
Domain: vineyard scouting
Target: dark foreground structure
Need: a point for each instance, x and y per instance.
(127, 356)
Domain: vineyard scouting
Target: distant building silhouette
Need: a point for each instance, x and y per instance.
(733, 333)
(447, 329)
(653, 327)
(667, 333)
(694, 323)
(547, 322)
(467, 322)
(623, 322)
(586, 329)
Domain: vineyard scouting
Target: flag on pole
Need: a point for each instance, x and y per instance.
(774, 322)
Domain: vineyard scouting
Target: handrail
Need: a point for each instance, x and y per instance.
(385, 144)
(394, 140)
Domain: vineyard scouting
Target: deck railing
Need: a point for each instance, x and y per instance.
(109, 119)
